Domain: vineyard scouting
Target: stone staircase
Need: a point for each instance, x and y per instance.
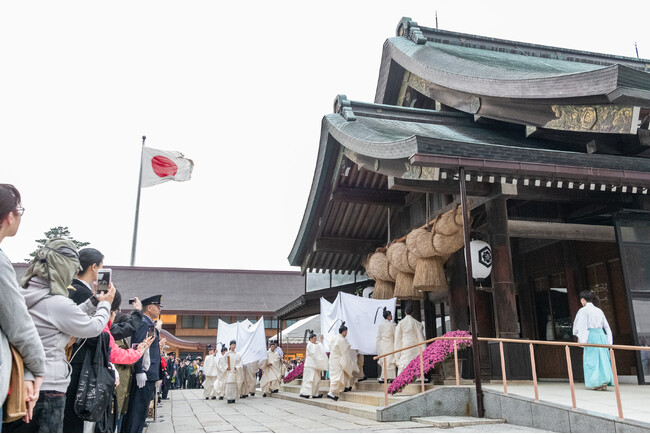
(364, 399)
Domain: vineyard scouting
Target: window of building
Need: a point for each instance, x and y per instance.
(213, 320)
(193, 321)
(291, 322)
(270, 323)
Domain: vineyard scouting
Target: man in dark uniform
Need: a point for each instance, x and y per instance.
(144, 386)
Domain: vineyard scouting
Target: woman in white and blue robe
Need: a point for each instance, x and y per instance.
(590, 326)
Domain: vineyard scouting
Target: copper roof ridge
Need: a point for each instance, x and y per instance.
(493, 44)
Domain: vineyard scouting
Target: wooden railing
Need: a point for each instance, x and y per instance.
(566, 345)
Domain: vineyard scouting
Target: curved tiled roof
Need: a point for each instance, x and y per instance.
(206, 290)
(506, 75)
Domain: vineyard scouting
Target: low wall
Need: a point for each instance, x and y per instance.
(515, 410)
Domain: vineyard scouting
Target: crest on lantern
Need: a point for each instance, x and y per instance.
(481, 255)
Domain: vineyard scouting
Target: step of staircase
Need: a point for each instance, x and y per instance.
(371, 384)
(455, 421)
(342, 406)
(367, 397)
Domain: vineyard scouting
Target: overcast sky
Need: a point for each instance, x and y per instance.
(239, 87)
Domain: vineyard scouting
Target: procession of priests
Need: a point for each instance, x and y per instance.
(227, 377)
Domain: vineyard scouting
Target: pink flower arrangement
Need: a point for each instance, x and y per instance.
(436, 352)
(295, 373)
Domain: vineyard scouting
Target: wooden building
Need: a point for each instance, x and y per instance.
(555, 146)
(195, 299)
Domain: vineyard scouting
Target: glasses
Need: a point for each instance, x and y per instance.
(20, 210)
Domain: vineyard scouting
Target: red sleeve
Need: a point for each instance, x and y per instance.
(120, 355)
(163, 362)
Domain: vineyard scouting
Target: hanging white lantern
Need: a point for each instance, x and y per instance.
(481, 254)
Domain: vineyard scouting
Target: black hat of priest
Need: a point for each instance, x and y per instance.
(154, 299)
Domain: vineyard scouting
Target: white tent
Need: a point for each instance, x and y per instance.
(295, 333)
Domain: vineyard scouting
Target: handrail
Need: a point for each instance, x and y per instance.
(530, 342)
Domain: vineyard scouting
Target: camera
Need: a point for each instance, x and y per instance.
(104, 279)
(131, 300)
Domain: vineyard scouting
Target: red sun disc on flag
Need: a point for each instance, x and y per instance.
(163, 166)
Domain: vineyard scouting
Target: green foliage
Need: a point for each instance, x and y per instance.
(54, 233)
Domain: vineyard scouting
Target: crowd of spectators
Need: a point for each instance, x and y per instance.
(87, 367)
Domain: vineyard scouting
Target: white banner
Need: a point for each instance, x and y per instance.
(251, 339)
(362, 316)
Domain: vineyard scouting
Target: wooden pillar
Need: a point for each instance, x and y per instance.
(416, 310)
(526, 295)
(503, 285)
(458, 311)
(429, 319)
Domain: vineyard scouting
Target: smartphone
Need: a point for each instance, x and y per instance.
(131, 300)
(151, 331)
(104, 279)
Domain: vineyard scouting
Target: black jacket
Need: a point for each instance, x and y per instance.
(127, 328)
(81, 292)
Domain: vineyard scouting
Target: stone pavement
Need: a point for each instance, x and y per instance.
(188, 411)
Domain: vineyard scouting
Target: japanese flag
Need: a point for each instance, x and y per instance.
(161, 166)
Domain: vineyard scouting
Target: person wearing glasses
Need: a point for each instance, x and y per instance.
(57, 319)
(16, 326)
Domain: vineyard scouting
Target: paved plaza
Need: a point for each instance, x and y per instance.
(188, 411)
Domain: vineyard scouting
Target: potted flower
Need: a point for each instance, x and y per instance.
(295, 373)
(434, 353)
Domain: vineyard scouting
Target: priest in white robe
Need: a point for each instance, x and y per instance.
(591, 326)
(408, 332)
(210, 372)
(249, 379)
(222, 368)
(271, 371)
(316, 361)
(234, 373)
(386, 344)
(341, 363)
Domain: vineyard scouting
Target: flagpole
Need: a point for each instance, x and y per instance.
(137, 206)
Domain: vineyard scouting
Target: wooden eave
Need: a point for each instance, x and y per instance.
(358, 168)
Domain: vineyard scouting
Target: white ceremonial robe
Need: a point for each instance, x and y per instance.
(220, 387)
(408, 332)
(234, 375)
(249, 378)
(316, 361)
(271, 372)
(591, 317)
(386, 344)
(357, 370)
(341, 365)
(210, 371)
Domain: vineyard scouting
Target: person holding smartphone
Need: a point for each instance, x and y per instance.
(144, 386)
(57, 319)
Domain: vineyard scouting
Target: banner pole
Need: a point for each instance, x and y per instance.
(137, 206)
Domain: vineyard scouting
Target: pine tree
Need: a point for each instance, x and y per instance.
(54, 233)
